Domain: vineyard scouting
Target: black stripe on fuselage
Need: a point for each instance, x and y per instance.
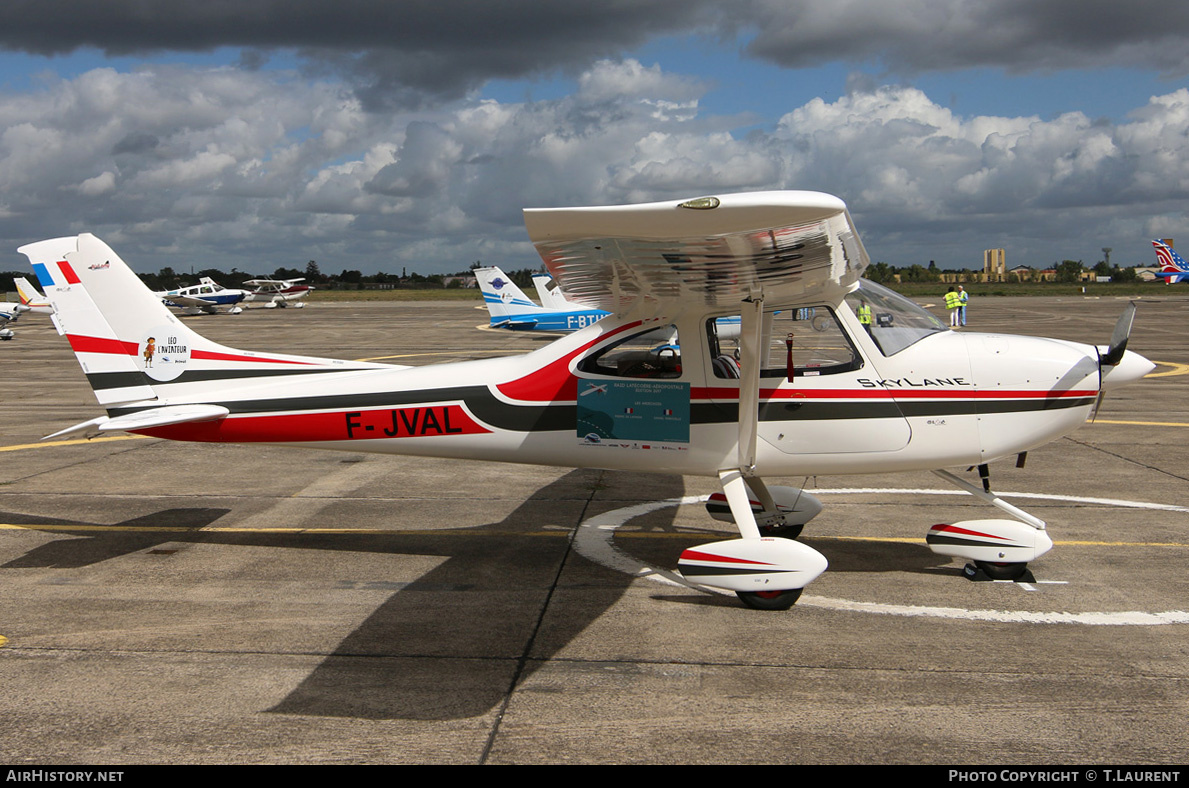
(547, 417)
(818, 410)
(478, 399)
(101, 381)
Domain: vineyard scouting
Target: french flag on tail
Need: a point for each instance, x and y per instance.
(1173, 267)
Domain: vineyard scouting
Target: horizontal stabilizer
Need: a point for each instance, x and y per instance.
(145, 419)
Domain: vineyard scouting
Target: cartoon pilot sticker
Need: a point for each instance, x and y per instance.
(164, 353)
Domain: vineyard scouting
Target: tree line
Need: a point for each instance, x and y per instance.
(169, 279)
(1066, 271)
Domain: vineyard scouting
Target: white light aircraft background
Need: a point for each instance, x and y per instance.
(375, 136)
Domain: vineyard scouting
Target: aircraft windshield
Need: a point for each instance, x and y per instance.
(893, 321)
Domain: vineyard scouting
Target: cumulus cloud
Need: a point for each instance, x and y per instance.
(907, 164)
(256, 169)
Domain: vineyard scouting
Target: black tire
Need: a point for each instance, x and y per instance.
(1002, 571)
(770, 600)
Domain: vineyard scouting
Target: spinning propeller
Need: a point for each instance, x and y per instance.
(1117, 366)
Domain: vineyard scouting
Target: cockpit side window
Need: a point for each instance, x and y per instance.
(655, 353)
(819, 345)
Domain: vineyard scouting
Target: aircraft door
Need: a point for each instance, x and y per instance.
(825, 408)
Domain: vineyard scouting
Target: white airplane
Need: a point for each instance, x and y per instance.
(278, 292)
(206, 296)
(31, 297)
(550, 295)
(510, 308)
(9, 311)
(814, 390)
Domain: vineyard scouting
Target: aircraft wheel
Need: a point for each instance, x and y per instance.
(783, 531)
(770, 600)
(1002, 571)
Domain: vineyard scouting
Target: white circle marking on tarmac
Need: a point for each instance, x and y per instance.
(594, 542)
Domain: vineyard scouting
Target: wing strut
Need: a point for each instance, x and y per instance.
(736, 481)
(751, 324)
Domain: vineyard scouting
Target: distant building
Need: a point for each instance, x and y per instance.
(1022, 273)
(994, 265)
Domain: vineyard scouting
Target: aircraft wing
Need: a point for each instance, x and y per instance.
(711, 251)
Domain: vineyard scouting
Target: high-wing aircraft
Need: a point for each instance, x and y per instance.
(278, 292)
(1173, 267)
(510, 308)
(813, 391)
(206, 296)
(31, 298)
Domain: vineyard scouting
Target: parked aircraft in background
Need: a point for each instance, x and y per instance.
(31, 297)
(550, 295)
(9, 311)
(206, 296)
(814, 391)
(277, 292)
(510, 308)
(1173, 267)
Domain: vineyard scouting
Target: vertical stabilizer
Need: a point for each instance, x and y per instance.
(130, 345)
(503, 298)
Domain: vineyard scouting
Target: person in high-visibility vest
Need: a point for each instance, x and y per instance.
(963, 297)
(952, 302)
(864, 313)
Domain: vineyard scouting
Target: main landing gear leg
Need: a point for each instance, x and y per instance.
(998, 549)
(774, 519)
(765, 572)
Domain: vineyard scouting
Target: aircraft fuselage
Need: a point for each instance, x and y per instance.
(948, 399)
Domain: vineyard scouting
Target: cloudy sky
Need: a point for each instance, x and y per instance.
(375, 135)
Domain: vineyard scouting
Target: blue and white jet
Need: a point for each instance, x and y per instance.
(510, 308)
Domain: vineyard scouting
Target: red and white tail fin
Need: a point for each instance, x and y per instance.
(130, 345)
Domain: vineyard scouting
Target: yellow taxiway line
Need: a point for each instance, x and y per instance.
(560, 532)
(22, 446)
(1177, 369)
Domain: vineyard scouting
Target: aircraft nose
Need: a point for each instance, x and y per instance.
(1130, 368)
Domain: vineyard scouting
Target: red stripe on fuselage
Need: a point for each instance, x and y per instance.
(82, 344)
(210, 355)
(85, 344)
(554, 382)
(426, 421)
